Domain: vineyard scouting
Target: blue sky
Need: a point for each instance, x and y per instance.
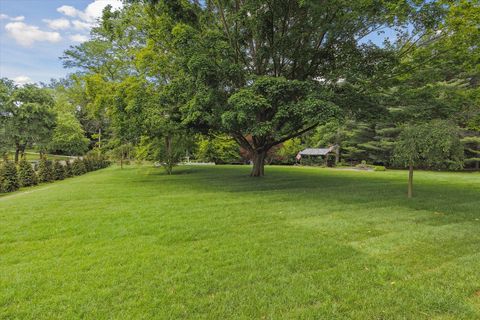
(34, 33)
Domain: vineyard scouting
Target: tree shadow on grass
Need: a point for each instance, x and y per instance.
(454, 201)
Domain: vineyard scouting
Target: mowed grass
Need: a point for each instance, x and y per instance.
(212, 243)
(35, 156)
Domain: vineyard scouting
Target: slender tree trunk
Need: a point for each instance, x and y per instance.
(99, 138)
(477, 165)
(258, 163)
(17, 152)
(410, 181)
(169, 158)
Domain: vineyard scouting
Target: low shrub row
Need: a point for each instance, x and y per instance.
(364, 166)
(13, 177)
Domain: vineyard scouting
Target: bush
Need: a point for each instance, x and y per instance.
(67, 169)
(8, 177)
(26, 175)
(363, 165)
(89, 165)
(78, 167)
(58, 171)
(45, 170)
(379, 168)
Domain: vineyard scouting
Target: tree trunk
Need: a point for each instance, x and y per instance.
(258, 163)
(19, 149)
(17, 152)
(169, 157)
(410, 181)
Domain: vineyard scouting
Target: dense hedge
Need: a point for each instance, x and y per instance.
(26, 175)
(11, 177)
(8, 177)
(58, 171)
(45, 170)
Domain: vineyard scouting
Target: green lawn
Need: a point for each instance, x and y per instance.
(36, 156)
(212, 243)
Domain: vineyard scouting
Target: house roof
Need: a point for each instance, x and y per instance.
(315, 151)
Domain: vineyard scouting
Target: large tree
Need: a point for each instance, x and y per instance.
(29, 118)
(249, 59)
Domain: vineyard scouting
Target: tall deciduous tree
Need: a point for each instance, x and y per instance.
(68, 136)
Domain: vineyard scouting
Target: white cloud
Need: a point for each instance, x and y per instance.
(7, 17)
(22, 80)
(81, 25)
(68, 11)
(19, 18)
(58, 24)
(92, 12)
(26, 35)
(78, 38)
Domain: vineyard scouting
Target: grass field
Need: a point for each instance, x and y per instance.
(32, 156)
(212, 243)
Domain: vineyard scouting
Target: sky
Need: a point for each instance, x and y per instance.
(34, 34)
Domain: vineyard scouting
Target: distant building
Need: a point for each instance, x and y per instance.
(330, 153)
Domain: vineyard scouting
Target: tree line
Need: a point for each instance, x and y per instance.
(167, 77)
(26, 174)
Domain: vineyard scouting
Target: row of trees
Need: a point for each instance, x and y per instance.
(271, 77)
(24, 174)
(38, 117)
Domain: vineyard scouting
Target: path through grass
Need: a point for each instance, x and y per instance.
(212, 243)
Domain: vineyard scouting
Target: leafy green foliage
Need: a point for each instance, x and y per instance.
(172, 151)
(8, 177)
(218, 149)
(68, 136)
(288, 151)
(30, 118)
(7, 88)
(272, 108)
(26, 175)
(431, 145)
